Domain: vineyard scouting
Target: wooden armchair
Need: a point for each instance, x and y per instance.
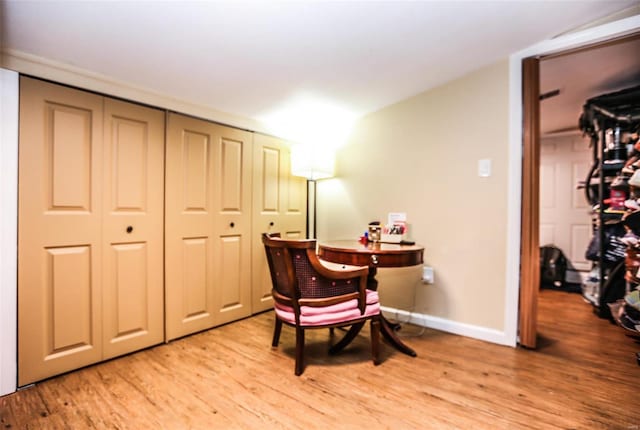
(309, 293)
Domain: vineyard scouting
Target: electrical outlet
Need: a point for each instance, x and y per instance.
(427, 275)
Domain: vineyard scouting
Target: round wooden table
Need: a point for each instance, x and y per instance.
(374, 255)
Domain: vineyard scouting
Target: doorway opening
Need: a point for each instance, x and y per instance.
(565, 80)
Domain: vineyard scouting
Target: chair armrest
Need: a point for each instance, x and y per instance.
(337, 267)
(335, 271)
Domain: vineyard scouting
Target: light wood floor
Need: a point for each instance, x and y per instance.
(584, 376)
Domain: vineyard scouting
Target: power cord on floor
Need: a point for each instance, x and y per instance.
(401, 325)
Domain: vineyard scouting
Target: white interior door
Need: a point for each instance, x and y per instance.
(564, 211)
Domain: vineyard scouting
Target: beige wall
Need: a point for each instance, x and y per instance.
(420, 156)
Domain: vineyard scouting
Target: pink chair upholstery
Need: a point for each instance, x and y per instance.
(307, 294)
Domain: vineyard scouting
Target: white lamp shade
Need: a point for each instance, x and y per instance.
(311, 162)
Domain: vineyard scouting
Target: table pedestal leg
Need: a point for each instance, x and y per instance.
(389, 333)
(346, 340)
(387, 328)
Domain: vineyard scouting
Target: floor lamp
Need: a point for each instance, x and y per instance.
(313, 164)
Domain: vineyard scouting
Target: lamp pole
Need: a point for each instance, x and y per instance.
(312, 200)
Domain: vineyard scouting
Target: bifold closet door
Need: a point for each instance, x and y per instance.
(207, 225)
(133, 227)
(59, 230)
(279, 205)
(88, 288)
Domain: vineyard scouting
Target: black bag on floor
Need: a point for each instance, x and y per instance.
(553, 266)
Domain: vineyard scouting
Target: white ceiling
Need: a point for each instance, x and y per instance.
(257, 58)
(582, 75)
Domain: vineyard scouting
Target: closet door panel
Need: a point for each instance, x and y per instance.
(191, 152)
(294, 201)
(270, 180)
(233, 180)
(233, 287)
(68, 154)
(279, 205)
(194, 150)
(194, 286)
(267, 188)
(59, 230)
(232, 219)
(68, 271)
(133, 227)
(131, 301)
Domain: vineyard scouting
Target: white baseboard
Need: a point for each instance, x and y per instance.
(462, 329)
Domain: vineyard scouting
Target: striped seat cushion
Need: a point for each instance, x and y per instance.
(333, 314)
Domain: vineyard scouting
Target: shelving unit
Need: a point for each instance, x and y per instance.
(609, 119)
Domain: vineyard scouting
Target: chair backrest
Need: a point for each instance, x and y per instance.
(282, 276)
(297, 274)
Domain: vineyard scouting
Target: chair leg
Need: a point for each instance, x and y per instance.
(375, 340)
(276, 332)
(299, 351)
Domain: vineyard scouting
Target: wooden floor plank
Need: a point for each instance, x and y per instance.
(582, 376)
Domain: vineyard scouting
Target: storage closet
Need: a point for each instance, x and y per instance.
(118, 252)
(225, 187)
(208, 225)
(613, 188)
(91, 173)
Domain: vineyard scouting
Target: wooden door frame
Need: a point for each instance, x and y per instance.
(525, 125)
(530, 209)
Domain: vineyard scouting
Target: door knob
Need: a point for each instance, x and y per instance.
(271, 224)
(129, 229)
(232, 224)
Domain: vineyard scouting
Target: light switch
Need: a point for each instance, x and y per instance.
(484, 167)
